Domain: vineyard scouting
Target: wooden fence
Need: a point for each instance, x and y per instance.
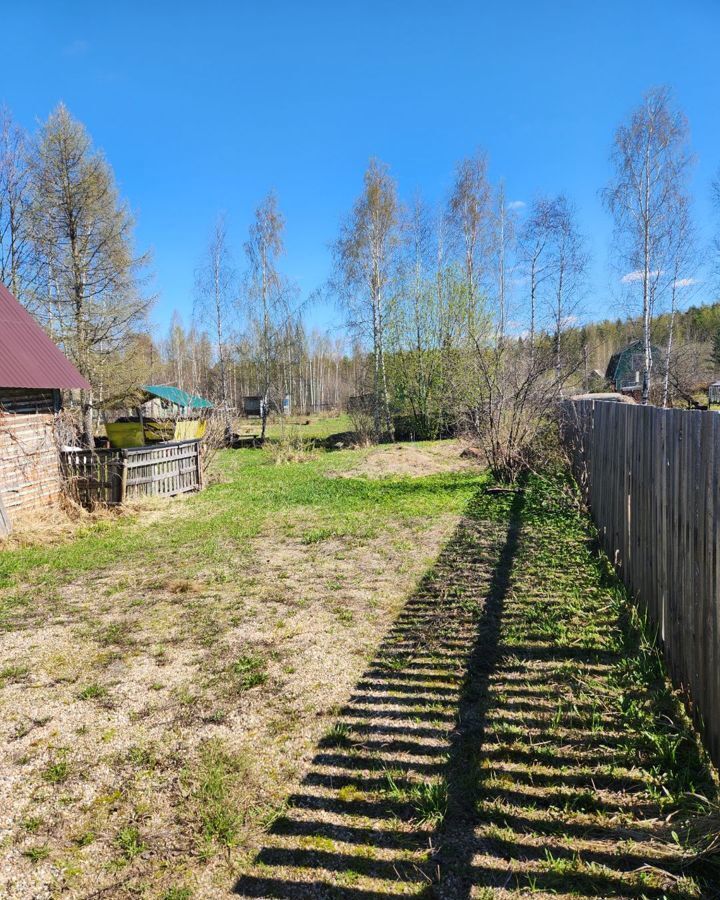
(651, 480)
(115, 476)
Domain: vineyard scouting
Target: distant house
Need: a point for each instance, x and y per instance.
(33, 372)
(714, 395)
(624, 371)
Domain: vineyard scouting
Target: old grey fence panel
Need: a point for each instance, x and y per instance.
(651, 477)
(116, 476)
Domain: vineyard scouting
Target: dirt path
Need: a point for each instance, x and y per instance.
(498, 745)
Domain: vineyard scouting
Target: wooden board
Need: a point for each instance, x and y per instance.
(5, 523)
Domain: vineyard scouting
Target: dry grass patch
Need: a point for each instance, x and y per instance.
(411, 460)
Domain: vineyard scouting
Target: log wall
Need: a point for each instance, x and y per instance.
(29, 464)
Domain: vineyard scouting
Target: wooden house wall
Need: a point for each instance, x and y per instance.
(29, 460)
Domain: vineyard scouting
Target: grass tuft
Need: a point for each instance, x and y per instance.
(248, 672)
(93, 691)
(57, 771)
(339, 735)
(130, 843)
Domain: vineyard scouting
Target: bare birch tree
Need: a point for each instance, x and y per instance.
(83, 237)
(469, 215)
(502, 242)
(215, 285)
(268, 298)
(365, 263)
(16, 251)
(534, 241)
(716, 239)
(566, 269)
(682, 265)
(651, 165)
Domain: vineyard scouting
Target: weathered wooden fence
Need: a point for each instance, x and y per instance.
(115, 476)
(651, 479)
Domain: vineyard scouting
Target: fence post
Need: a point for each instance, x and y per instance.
(123, 475)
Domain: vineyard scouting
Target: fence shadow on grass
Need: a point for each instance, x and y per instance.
(476, 708)
(352, 830)
(552, 790)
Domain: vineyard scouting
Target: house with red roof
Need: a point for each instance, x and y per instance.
(33, 374)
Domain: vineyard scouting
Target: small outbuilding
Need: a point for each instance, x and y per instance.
(33, 373)
(175, 399)
(166, 413)
(714, 395)
(624, 371)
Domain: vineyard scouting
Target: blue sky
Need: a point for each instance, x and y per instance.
(204, 107)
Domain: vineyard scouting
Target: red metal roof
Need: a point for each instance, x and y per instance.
(28, 358)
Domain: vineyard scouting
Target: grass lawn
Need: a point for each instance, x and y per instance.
(317, 428)
(165, 674)
(514, 736)
(357, 675)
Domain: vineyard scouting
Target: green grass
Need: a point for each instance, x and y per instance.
(251, 493)
(339, 735)
(520, 709)
(318, 429)
(580, 716)
(93, 691)
(218, 778)
(37, 854)
(12, 673)
(130, 843)
(248, 672)
(226, 582)
(177, 893)
(57, 771)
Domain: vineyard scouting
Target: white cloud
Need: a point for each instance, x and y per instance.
(516, 204)
(637, 276)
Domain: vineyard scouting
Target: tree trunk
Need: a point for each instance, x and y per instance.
(86, 407)
(646, 286)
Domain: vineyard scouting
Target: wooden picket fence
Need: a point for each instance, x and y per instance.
(109, 477)
(651, 477)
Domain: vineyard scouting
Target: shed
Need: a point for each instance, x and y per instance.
(167, 413)
(253, 406)
(714, 395)
(171, 396)
(625, 368)
(33, 372)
